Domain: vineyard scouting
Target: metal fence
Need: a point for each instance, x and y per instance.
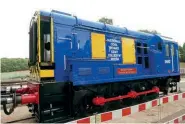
(182, 71)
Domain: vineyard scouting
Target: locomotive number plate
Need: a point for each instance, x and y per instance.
(126, 70)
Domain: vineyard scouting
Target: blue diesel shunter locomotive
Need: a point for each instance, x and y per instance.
(78, 67)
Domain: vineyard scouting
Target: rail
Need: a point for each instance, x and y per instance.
(13, 82)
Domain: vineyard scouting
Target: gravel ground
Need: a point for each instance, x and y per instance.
(155, 114)
(18, 114)
(181, 85)
(183, 122)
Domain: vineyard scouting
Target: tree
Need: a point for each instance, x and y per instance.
(182, 53)
(106, 20)
(149, 31)
(14, 64)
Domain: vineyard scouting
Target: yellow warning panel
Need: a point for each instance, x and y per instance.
(46, 73)
(128, 51)
(98, 46)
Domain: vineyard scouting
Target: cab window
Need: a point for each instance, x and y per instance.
(159, 46)
(138, 48)
(172, 50)
(167, 50)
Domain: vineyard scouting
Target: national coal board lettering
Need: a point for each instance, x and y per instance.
(113, 49)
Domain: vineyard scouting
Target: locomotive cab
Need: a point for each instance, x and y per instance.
(41, 57)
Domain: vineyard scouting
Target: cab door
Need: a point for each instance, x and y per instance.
(45, 39)
(45, 45)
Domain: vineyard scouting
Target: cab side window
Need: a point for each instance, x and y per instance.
(159, 46)
(172, 50)
(167, 49)
(145, 46)
(138, 47)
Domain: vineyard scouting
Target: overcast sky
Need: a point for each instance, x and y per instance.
(165, 16)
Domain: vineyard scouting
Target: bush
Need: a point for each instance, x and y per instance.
(14, 64)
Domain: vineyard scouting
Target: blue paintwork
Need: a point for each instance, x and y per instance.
(72, 46)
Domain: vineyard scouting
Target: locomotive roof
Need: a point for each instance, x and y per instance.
(68, 19)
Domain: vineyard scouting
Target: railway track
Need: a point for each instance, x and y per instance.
(20, 120)
(13, 82)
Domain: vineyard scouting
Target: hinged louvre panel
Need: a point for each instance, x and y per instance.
(128, 51)
(98, 46)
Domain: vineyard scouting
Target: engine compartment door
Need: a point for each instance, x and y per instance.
(98, 46)
(128, 51)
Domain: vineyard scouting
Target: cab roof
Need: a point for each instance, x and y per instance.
(68, 19)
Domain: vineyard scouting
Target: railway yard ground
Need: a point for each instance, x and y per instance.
(156, 114)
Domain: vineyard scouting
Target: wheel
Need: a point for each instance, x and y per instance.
(175, 87)
(167, 86)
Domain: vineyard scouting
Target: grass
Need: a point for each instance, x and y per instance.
(14, 75)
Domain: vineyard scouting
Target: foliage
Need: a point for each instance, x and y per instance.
(182, 53)
(13, 64)
(106, 20)
(149, 31)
